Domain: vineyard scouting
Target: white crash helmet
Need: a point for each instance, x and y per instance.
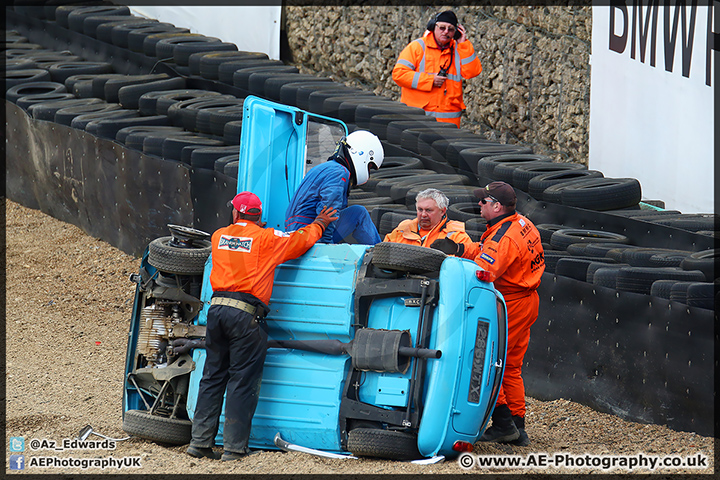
(365, 149)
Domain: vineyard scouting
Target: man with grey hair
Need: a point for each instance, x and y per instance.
(431, 228)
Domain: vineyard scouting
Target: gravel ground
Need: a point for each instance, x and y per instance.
(68, 303)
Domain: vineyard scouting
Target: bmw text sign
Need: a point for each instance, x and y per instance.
(651, 98)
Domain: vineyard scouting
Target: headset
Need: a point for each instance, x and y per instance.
(433, 20)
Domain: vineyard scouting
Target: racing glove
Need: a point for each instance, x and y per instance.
(326, 216)
(448, 247)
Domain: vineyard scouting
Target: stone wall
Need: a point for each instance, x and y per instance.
(535, 85)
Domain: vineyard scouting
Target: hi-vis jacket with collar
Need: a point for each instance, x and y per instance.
(407, 232)
(422, 58)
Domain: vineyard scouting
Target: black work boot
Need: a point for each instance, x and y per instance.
(503, 429)
(523, 440)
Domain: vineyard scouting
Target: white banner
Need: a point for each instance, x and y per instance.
(652, 98)
(251, 28)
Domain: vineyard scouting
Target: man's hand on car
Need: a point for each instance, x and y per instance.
(326, 216)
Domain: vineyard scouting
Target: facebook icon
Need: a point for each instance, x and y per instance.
(17, 462)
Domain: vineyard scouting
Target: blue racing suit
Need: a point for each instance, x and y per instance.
(328, 184)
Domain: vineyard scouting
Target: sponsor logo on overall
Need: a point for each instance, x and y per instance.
(241, 244)
(487, 258)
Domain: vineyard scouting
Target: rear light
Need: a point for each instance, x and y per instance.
(483, 275)
(460, 446)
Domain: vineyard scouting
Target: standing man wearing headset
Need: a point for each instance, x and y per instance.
(430, 70)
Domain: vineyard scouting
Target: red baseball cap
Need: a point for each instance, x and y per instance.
(246, 202)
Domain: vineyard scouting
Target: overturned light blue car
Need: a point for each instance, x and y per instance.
(390, 351)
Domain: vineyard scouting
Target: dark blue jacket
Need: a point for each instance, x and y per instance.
(327, 184)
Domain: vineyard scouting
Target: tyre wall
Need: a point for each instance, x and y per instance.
(631, 355)
(535, 85)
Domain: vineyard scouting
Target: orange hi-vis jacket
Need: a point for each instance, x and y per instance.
(244, 256)
(407, 232)
(415, 69)
(511, 250)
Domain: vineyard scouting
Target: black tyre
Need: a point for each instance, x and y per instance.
(129, 95)
(693, 222)
(207, 63)
(183, 51)
(47, 110)
(373, 183)
(219, 165)
(398, 191)
(112, 86)
(407, 258)
(605, 276)
(136, 37)
(33, 88)
(60, 72)
(505, 172)
(678, 291)
(552, 257)
(486, 165)
(173, 431)
(539, 183)
(640, 279)
(703, 261)
(597, 265)
(390, 220)
(18, 77)
(180, 261)
(81, 122)
(390, 444)
(463, 211)
(702, 295)
(241, 76)
(231, 132)
(28, 101)
(66, 115)
(400, 163)
(662, 288)
(576, 267)
(601, 249)
(567, 236)
(226, 70)
(654, 257)
(231, 169)
(395, 131)
(547, 229)
(603, 194)
(522, 175)
(164, 101)
(108, 128)
(206, 157)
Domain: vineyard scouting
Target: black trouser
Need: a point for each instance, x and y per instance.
(236, 346)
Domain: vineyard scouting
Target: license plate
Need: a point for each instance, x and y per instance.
(476, 374)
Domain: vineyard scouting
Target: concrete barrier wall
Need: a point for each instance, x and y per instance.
(535, 85)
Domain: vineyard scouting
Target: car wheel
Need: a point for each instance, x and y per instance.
(390, 444)
(141, 423)
(407, 258)
(180, 261)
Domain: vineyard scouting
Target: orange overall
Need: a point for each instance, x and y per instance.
(245, 255)
(511, 250)
(415, 70)
(407, 232)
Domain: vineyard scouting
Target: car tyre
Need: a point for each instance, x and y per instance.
(180, 261)
(407, 258)
(141, 423)
(389, 444)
